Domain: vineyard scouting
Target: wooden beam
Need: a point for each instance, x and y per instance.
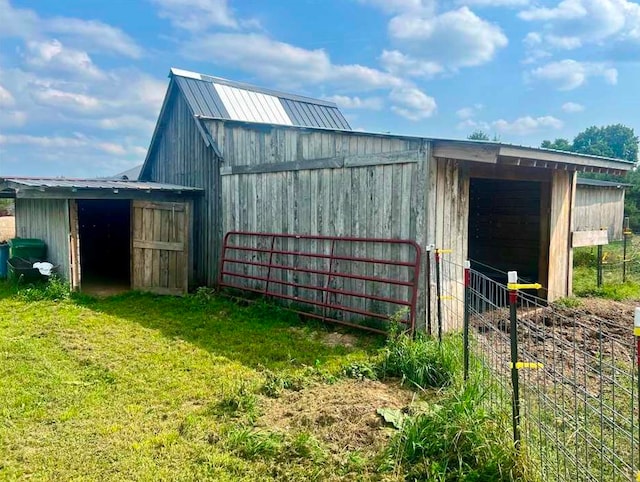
(138, 243)
(466, 151)
(401, 157)
(589, 238)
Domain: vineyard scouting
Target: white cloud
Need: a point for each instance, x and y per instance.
(571, 24)
(471, 125)
(570, 74)
(6, 99)
(457, 38)
(94, 36)
(12, 118)
(60, 99)
(77, 142)
(398, 6)
(89, 35)
(197, 15)
(285, 64)
(53, 56)
(412, 103)
(527, 125)
(400, 64)
(469, 112)
(346, 102)
(494, 3)
(572, 107)
(42, 141)
(126, 123)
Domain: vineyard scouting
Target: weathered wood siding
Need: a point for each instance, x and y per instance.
(181, 157)
(46, 219)
(599, 208)
(362, 186)
(448, 231)
(560, 226)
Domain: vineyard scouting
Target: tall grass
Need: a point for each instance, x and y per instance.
(456, 439)
(422, 362)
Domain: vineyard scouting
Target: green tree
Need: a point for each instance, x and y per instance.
(478, 135)
(559, 144)
(617, 141)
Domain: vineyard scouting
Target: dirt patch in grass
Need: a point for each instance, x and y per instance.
(343, 415)
(571, 343)
(331, 339)
(7, 227)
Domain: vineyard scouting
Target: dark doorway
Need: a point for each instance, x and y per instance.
(105, 244)
(504, 228)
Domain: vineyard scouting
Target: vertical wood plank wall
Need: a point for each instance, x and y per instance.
(46, 219)
(560, 251)
(448, 230)
(379, 190)
(599, 208)
(182, 157)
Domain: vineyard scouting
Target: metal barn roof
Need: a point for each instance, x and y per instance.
(598, 183)
(71, 187)
(225, 99)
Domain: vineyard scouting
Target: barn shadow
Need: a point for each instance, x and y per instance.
(256, 335)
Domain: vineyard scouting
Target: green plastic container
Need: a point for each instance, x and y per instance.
(27, 248)
(4, 256)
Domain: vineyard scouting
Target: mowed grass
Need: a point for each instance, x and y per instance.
(143, 387)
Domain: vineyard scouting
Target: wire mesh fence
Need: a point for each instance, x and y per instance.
(563, 380)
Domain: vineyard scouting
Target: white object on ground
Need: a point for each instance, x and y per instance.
(44, 268)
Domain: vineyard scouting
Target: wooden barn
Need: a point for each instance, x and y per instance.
(599, 205)
(106, 236)
(242, 158)
(273, 162)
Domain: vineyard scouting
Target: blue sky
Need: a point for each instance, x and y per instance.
(81, 82)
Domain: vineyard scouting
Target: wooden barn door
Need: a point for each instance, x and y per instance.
(160, 243)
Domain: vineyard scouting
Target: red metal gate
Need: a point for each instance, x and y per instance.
(358, 282)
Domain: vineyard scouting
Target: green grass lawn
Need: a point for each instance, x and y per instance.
(613, 287)
(141, 387)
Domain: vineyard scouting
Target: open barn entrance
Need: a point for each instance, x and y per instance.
(505, 228)
(104, 229)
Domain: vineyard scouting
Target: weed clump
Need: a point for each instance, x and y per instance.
(54, 289)
(455, 439)
(420, 361)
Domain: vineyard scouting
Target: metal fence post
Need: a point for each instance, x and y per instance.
(599, 267)
(625, 236)
(439, 295)
(513, 332)
(428, 267)
(636, 334)
(467, 301)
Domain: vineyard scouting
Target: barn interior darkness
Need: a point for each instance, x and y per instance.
(504, 228)
(105, 241)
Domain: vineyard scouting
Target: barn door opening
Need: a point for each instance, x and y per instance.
(508, 228)
(160, 247)
(103, 231)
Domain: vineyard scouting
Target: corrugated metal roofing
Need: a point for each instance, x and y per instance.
(54, 183)
(224, 99)
(598, 183)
